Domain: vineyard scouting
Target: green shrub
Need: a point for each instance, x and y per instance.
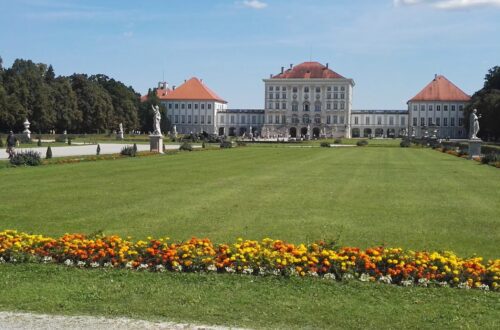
(241, 144)
(325, 145)
(203, 145)
(98, 150)
(48, 154)
(362, 143)
(405, 144)
(135, 147)
(39, 143)
(226, 144)
(490, 158)
(28, 158)
(69, 140)
(128, 151)
(338, 141)
(61, 138)
(186, 147)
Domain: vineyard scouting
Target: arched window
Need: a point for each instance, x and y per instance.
(295, 119)
(305, 119)
(295, 106)
(317, 119)
(306, 106)
(317, 106)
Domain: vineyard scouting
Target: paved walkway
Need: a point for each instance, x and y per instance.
(84, 150)
(28, 321)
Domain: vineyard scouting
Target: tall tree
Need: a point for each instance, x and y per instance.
(487, 102)
(64, 102)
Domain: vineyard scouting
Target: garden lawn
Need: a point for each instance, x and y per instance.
(402, 197)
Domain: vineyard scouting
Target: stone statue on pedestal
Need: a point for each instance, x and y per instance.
(156, 120)
(474, 125)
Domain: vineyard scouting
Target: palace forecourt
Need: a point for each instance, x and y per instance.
(309, 101)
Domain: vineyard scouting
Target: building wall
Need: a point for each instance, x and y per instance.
(193, 116)
(445, 117)
(378, 123)
(307, 106)
(236, 122)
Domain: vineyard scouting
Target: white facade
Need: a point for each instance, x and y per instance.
(378, 123)
(238, 122)
(193, 116)
(445, 117)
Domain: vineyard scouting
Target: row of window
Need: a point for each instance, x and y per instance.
(437, 122)
(243, 119)
(307, 88)
(329, 96)
(188, 105)
(306, 106)
(190, 119)
(379, 121)
(306, 119)
(438, 107)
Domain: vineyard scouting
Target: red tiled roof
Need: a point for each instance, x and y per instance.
(440, 89)
(160, 93)
(193, 89)
(308, 70)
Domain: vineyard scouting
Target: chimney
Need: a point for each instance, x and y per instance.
(291, 65)
(184, 80)
(159, 85)
(282, 69)
(435, 76)
(327, 65)
(173, 87)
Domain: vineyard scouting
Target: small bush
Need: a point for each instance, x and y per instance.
(226, 144)
(203, 145)
(28, 158)
(405, 144)
(135, 147)
(325, 145)
(61, 138)
(241, 144)
(39, 143)
(128, 151)
(69, 141)
(362, 143)
(98, 150)
(337, 141)
(186, 147)
(48, 154)
(490, 158)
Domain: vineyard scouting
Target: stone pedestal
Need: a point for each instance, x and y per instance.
(156, 143)
(119, 135)
(474, 148)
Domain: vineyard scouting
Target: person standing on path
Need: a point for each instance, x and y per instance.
(11, 144)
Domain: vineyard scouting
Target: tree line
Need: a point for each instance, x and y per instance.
(78, 103)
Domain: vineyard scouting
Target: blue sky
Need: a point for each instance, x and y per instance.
(391, 48)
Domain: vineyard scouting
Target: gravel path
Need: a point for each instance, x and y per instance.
(28, 321)
(89, 149)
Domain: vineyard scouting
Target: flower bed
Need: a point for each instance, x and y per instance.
(267, 257)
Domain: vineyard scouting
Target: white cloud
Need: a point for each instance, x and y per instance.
(449, 4)
(254, 4)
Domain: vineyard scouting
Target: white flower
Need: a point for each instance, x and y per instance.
(262, 271)
(68, 262)
(230, 270)
(276, 272)
(212, 268)
(2, 260)
(385, 279)
(129, 265)
(313, 274)
(484, 287)
(81, 263)
(408, 282)
(143, 266)
(94, 264)
(108, 265)
(178, 268)
(347, 277)
(364, 277)
(13, 260)
(423, 282)
(160, 268)
(443, 284)
(46, 259)
(329, 276)
(247, 271)
(464, 285)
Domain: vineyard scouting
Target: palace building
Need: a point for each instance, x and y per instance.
(439, 107)
(310, 100)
